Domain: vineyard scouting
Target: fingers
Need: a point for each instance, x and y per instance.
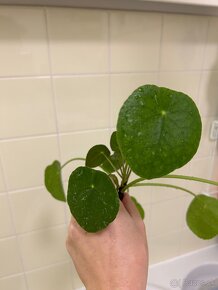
(130, 207)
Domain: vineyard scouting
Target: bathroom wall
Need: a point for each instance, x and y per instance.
(64, 74)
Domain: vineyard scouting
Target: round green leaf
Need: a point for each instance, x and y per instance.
(158, 130)
(92, 198)
(202, 216)
(113, 142)
(115, 159)
(139, 207)
(96, 155)
(53, 180)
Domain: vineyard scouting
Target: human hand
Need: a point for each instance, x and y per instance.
(115, 258)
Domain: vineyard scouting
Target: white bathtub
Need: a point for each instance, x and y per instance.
(196, 270)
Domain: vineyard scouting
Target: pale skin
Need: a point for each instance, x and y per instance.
(115, 258)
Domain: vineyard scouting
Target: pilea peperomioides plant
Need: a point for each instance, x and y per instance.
(158, 131)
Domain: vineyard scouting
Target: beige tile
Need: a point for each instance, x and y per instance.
(186, 82)
(208, 100)
(201, 167)
(12, 283)
(51, 278)
(206, 146)
(82, 103)
(164, 247)
(78, 40)
(24, 161)
(43, 247)
(2, 183)
(166, 216)
(36, 209)
(190, 242)
(135, 41)
(23, 46)
(27, 107)
(6, 225)
(10, 261)
(183, 41)
(122, 87)
(213, 188)
(77, 145)
(77, 283)
(211, 53)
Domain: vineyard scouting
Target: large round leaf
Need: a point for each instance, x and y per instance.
(158, 130)
(202, 216)
(92, 198)
(53, 180)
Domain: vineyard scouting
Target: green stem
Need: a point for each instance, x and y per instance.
(193, 178)
(165, 185)
(112, 165)
(177, 177)
(73, 159)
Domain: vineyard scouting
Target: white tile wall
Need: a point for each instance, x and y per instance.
(64, 75)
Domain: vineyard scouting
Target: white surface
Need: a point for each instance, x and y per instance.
(189, 2)
(207, 7)
(171, 274)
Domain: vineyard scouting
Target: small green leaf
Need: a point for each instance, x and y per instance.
(202, 216)
(96, 155)
(139, 207)
(92, 198)
(158, 131)
(113, 142)
(115, 159)
(53, 180)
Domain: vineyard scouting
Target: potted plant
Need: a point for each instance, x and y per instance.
(158, 131)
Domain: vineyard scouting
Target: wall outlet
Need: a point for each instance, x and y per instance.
(214, 130)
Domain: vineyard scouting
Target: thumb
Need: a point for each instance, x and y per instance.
(130, 207)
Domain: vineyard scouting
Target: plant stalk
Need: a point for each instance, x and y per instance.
(73, 159)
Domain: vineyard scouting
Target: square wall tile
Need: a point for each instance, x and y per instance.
(36, 209)
(78, 40)
(82, 103)
(166, 216)
(208, 98)
(12, 283)
(207, 146)
(51, 278)
(123, 85)
(43, 247)
(183, 41)
(211, 53)
(164, 247)
(186, 82)
(77, 145)
(190, 242)
(10, 261)
(6, 225)
(201, 167)
(77, 283)
(24, 161)
(23, 46)
(135, 41)
(26, 107)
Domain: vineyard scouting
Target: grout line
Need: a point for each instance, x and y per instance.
(160, 49)
(109, 63)
(85, 74)
(14, 226)
(58, 226)
(30, 137)
(35, 269)
(54, 97)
